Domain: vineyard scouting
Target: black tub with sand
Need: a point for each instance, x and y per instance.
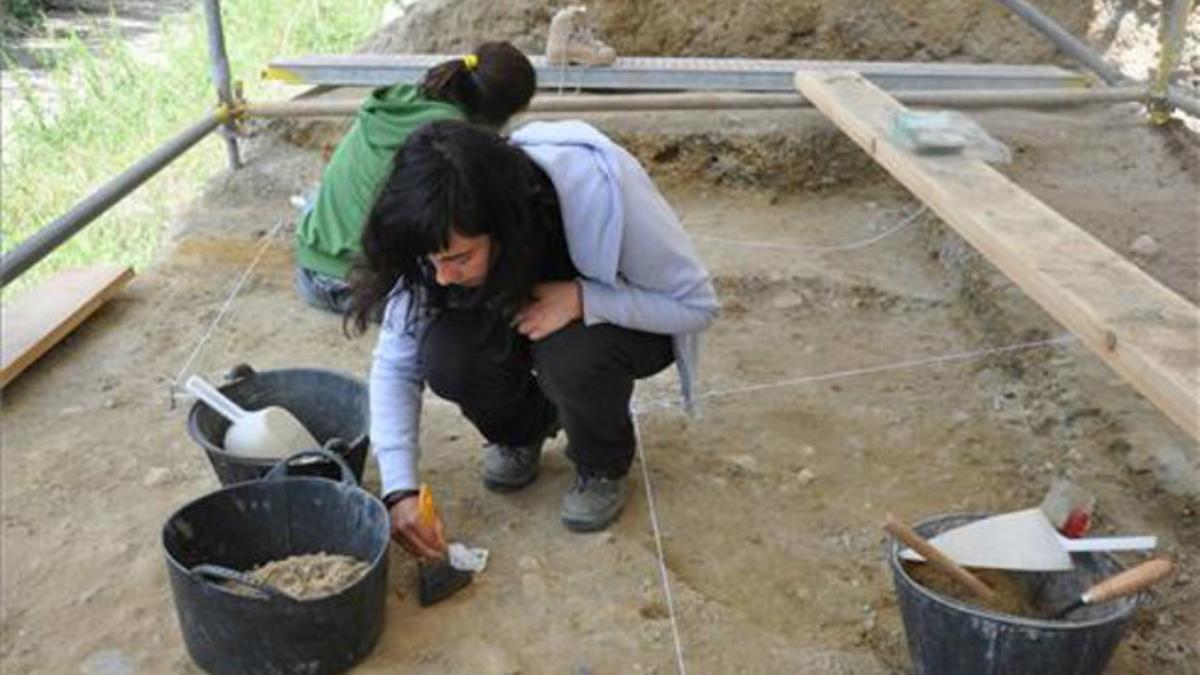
(949, 635)
(233, 623)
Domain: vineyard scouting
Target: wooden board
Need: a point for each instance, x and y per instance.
(42, 316)
(1143, 330)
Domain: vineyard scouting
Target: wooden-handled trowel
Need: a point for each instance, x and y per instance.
(1124, 584)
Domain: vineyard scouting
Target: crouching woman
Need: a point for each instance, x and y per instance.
(531, 281)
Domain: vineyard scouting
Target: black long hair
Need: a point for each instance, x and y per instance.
(489, 86)
(454, 176)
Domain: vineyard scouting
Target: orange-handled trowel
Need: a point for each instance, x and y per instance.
(437, 579)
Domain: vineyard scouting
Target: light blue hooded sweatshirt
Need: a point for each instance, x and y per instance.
(637, 270)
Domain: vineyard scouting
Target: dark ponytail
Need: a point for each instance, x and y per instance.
(490, 85)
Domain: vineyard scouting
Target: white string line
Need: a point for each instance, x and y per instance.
(233, 293)
(640, 409)
(658, 545)
(774, 245)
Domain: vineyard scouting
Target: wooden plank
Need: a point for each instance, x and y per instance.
(43, 316)
(1143, 330)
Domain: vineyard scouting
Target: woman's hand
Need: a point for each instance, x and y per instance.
(426, 543)
(555, 304)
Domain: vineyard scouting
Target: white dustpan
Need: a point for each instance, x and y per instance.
(270, 433)
(1021, 541)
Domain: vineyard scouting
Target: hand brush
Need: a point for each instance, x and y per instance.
(437, 579)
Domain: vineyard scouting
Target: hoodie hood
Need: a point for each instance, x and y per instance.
(390, 114)
(586, 169)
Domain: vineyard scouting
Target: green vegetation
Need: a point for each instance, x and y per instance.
(114, 106)
(21, 15)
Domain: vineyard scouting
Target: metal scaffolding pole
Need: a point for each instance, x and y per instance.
(45, 240)
(221, 77)
(1066, 43)
(1172, 28)
(645, 73)
(1076, 49)
(737, 101)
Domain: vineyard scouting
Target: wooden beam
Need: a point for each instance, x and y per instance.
(42, 317)
(1143, 330)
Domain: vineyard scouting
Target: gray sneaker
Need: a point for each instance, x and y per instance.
(593, 503)
(507, 468)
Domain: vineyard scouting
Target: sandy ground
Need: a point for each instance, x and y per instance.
(769, 504)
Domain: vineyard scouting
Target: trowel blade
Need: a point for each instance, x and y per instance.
(1022, 541)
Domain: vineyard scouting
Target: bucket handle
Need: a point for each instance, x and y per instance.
(280, 470)
(211, 573)
(241, 371)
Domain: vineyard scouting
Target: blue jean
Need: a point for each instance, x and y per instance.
(322, 291)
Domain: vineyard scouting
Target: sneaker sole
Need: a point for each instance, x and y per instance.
(499, 486)
(590, 525)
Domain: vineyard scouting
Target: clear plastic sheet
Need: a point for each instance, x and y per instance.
(946, 132)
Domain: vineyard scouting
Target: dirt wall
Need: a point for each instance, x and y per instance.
(917, 30)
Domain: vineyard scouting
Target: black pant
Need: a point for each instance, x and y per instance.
(513, 390)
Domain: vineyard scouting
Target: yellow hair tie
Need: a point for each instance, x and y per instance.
(471, 61)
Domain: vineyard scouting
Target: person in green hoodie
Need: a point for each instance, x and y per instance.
(486, 87)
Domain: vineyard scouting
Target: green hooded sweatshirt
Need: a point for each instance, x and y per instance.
(327, 237)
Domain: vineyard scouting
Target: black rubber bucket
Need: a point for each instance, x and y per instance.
(948, 637)
(332, 406)
(256, 629)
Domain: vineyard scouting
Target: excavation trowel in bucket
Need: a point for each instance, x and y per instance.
(1022, 541)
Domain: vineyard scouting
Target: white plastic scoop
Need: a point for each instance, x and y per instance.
(1023, 541)
(270, 433)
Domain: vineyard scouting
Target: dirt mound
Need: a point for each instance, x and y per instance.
(917, 30)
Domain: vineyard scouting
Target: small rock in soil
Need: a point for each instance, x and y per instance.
(745, 463)
(108, 662)
(155, 476)
(1145, 246)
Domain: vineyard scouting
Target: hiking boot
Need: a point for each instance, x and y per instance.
(572, 40)
(593, 502)
(507, 468)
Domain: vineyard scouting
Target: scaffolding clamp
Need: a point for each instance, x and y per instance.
(1160, 109)
(232, 115)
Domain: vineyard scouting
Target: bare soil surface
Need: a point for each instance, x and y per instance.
(1125, 32)
(946, 30)
(822, 411)
(842, 382)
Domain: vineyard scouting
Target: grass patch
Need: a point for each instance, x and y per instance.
(114, 106)
(21, 15)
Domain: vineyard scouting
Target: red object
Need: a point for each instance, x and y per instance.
(1077, 524)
